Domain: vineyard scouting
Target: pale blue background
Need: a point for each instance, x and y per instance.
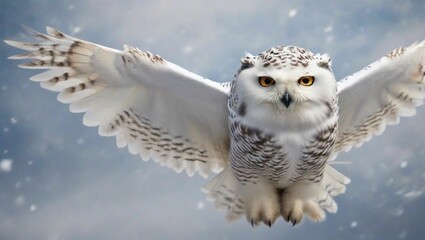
(68, 183)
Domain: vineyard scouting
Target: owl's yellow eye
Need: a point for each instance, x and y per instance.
(266, 81)
(306, 81)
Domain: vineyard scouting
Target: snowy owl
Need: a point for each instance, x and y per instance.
(271, 133)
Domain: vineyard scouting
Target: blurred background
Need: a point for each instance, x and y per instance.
(60, 180)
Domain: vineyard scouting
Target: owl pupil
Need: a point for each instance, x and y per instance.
(305, 80)
(267, 81)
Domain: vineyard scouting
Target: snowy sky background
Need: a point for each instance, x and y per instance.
(59, 180)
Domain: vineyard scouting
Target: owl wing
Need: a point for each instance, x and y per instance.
(156, 108)
(379, 95)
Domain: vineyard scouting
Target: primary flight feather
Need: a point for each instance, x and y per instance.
(270, 133)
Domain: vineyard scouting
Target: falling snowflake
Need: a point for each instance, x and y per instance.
(201, 205)
(33, 207)
(80, 141)
(187, 49)
(292, 13)
(413, 194)
(13, 120)
(328, 29)
(6, 165)
(75, 29)
(398, 212)
(19, 201)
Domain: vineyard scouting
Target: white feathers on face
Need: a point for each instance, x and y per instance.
(286, 85)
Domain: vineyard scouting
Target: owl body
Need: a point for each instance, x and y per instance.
(282, 144)
(271, 133)
(282, 129)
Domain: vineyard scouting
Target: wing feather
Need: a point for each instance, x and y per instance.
(380, 94)
(156, 108)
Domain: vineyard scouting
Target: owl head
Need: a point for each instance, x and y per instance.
(286, 85)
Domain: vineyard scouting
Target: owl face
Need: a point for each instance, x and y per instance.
(286, 86)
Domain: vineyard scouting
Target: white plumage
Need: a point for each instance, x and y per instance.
(384, 91)
(105, 84)
(273, 130)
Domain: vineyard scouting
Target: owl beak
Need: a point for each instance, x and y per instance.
(286, 99)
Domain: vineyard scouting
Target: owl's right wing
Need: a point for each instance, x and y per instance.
(379, 95)
(158, 109)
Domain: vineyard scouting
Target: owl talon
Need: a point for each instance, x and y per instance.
(307, 198)
(287, 216)
(264, 207)
(268, 222)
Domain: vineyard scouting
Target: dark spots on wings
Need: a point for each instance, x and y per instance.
(73, 46)
(225, 84)
(156, 139)
(132, 53)
(405, 97)
(80, 87)
(396, 52)
(58, 34)
(63, 64)
(369, 126)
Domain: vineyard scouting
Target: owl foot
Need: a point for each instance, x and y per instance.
(263, 207)
(262, 210)
(294, 209)
(306, 198)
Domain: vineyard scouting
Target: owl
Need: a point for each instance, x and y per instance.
(271, 134)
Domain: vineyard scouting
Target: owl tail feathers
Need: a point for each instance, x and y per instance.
(334, 181)
(224, 191)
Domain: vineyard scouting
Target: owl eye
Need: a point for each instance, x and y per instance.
(306, 81)
(266, 81)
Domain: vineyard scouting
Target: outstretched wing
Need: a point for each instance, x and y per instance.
(160, 110)
(380, 94)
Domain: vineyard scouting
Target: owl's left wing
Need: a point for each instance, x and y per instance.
(379, 95)
(156, 108)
